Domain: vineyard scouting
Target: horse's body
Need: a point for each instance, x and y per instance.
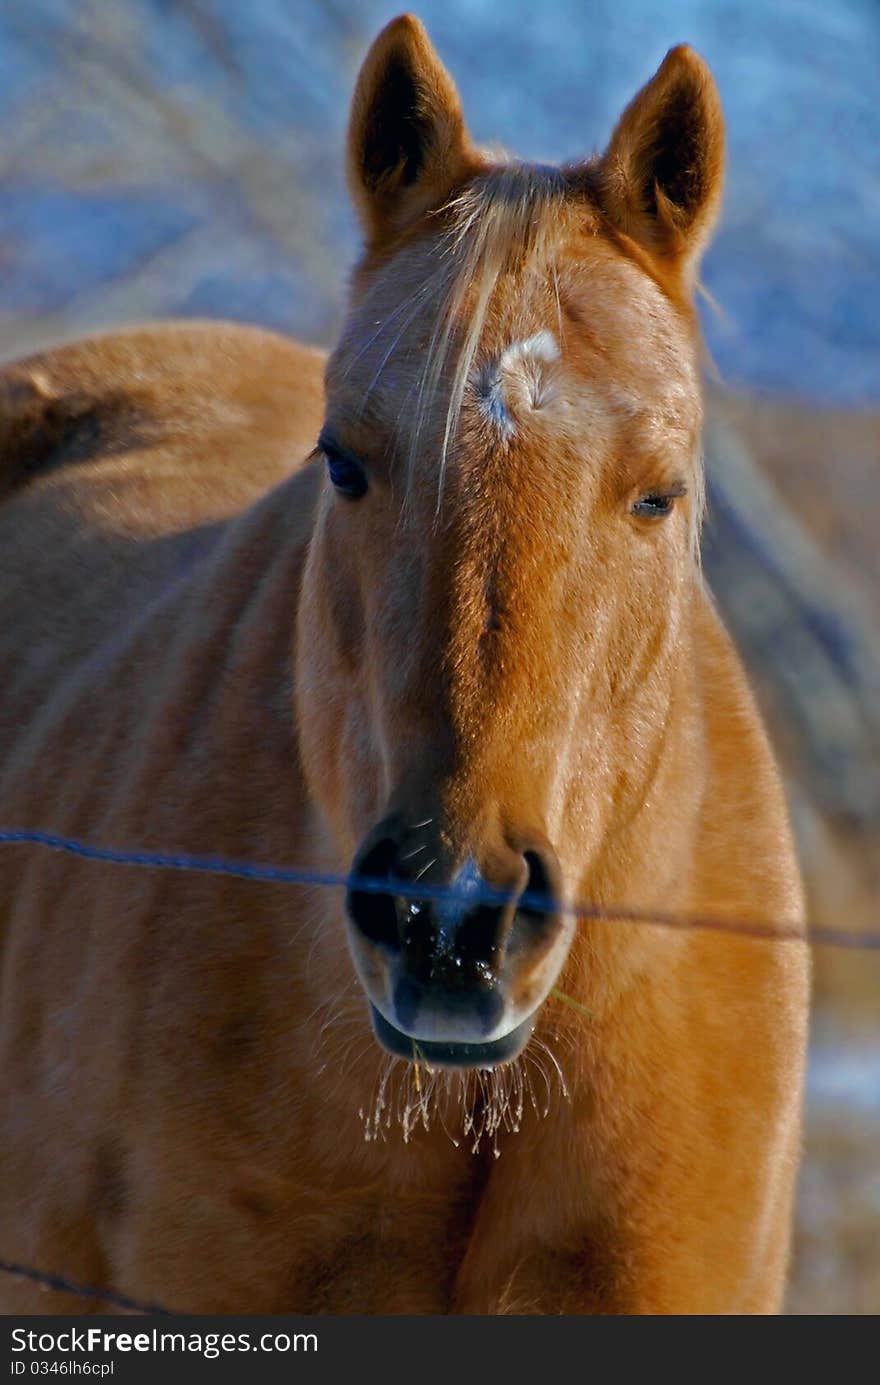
(184, 1056)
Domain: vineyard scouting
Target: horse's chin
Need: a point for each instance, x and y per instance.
(452, 1054)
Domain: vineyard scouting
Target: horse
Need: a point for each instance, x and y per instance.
(424, 618)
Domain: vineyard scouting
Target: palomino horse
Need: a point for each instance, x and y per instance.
(464, 645)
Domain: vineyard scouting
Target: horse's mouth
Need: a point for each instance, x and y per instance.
(451, 1054)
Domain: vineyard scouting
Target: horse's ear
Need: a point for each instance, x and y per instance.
(407, 145)
(661, 178)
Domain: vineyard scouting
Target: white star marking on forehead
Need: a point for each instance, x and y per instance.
(524, 359)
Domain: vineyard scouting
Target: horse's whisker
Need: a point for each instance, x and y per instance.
(408, 855)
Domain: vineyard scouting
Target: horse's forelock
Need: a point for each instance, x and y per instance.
(501, 219)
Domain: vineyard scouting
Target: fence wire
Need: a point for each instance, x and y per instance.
(824, 935)
(61, 1285)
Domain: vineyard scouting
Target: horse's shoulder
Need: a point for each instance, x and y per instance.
(170, 381)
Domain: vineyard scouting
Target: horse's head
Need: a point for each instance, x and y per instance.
(505, 548)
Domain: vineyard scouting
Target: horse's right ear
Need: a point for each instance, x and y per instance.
(407, 145)
(660, 180)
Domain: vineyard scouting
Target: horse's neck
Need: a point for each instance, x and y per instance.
(222, 672)
(714, 802)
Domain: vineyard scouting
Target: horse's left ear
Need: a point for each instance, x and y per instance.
(407, 144)
(661, 178)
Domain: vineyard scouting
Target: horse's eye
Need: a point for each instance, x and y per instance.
(657, 504)
(347, 475)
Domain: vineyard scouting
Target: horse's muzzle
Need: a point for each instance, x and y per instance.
(455, 964)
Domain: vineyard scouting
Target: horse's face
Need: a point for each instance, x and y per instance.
(504, 548)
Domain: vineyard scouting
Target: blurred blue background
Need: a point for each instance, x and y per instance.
(192, 149)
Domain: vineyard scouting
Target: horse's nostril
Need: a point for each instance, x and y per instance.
(373, 910)
(538, 902)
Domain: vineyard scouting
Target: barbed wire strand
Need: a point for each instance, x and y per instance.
(61, 1285)
(285, 875)
(816, 934)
